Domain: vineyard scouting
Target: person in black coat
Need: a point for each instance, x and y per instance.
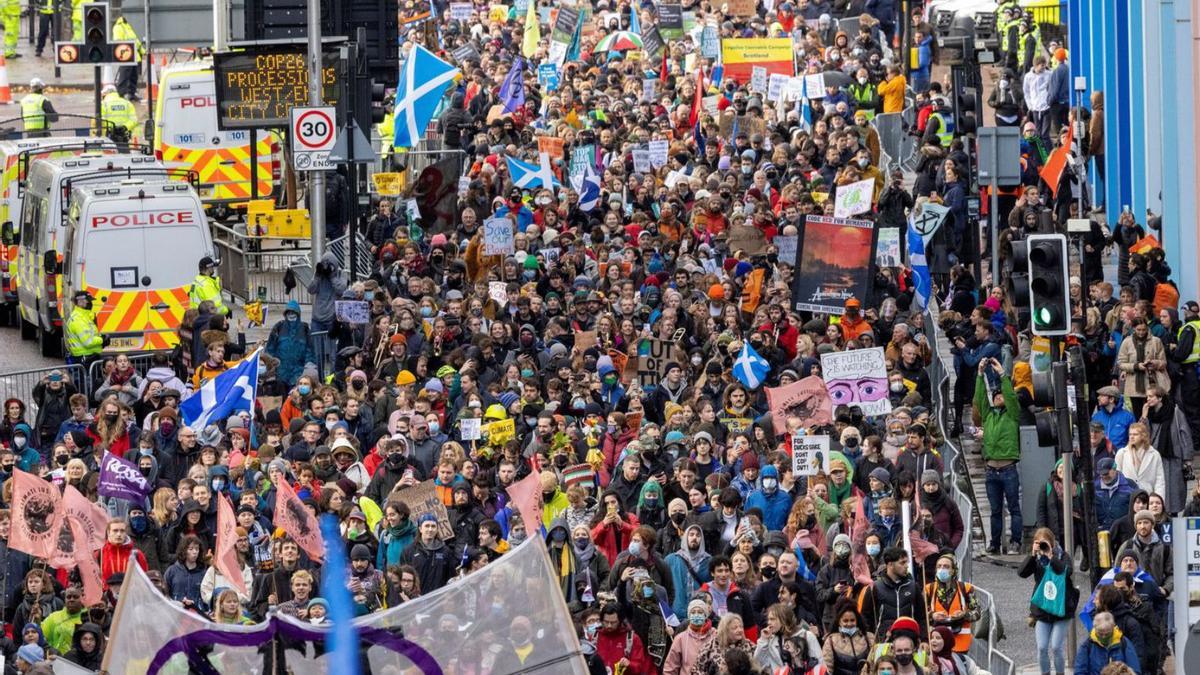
(767, 593)
(87, 648)
(275, 587)
(434, 561)
(396, 464)
(834, 580)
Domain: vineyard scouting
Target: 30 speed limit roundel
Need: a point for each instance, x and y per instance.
(313, 128)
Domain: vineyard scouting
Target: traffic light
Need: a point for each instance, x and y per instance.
(1049, 297)
(378, 97)
(1018, 281)
(95, 32)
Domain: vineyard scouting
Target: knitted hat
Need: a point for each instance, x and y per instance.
(31, 654)
(698, 605)
(749, 461)
(930, 476)
(880, 474)
(842, 539)
(1144, 514)
(360, 552)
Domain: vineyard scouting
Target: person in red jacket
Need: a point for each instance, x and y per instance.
(118, 548)
(785, 333)
(618, 645)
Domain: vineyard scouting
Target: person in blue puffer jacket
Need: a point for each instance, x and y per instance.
(289, 342)
(774, 503)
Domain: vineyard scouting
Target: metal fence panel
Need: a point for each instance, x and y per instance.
(20, 384)
(141, 361)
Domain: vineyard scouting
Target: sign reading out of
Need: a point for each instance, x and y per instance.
(258, 86)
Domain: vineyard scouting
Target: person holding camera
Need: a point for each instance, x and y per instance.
(1001, 451)
(1054, 598)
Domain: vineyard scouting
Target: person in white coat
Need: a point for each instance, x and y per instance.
(1140, 462)
(785, 643)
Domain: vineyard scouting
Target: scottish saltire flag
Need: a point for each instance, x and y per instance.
(528, 176)
(806, 114)
(230, 392)
(587, 184)
(424, 78)
(750, 369)
(512, 90)
(922, 282)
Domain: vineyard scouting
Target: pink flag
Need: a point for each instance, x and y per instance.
(921, 549)
(295, 519)
(91, 517)
(226, 558)
(860, 569)
(527, 495)
(89, 571)
(860, 527)
(36, 515)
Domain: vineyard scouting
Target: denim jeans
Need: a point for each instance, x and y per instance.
(1004, 485)
(1050, 638)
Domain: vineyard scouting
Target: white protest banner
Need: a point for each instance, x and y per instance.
(711, 105)
(352, 311)
(464, 185)
(854, 198)
(776, 85)
(649, 87)
(413, 210)
(641, 160)
(857, 377)
(550, 255)
(658, 152)
(470, 428)
(814, 86)
(461, 10)
(810, 455)
(674, 177)
(498, 236)
(928, 219)
(794, 89)
(787, 248)
(887, 248)
(498, 291)
(758, 79)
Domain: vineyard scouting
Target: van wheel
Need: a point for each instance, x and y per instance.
(28, 330)
(50, 343)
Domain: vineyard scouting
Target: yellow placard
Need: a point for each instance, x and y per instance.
(502, 431)
(755, 50)
(388, 184)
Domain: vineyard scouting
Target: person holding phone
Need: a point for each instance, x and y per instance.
(1000, 413)
(1050, 628)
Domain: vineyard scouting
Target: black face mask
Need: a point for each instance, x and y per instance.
(111, 417)
(768, 572)
(904, 659)
(678, 518)
(395, 460)
(62, 460)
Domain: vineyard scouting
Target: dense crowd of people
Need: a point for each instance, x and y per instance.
(686, 543)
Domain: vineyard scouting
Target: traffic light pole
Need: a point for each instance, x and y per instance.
(1087, 464)
(316, 179)
(1058, 375)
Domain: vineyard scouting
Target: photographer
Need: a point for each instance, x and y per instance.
(1001, 451)
(1052, 576)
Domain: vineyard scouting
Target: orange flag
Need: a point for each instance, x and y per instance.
(1057, 163)
(527, 495)
(89, 571)
(226, 558)
(295, 519)
(36, 515)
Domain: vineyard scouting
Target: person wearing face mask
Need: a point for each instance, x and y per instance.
(690, 642)
(952, 603)
(288, 342)
(774, 503)
(146, 535)
(835, 582)
(895, 594)
(640, 558)
(848, 647)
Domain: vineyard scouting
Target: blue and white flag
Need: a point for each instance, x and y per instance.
(424, 78)
(750, 368)
(230, 392)
(922, 282)
(587, 184)
(529, 176)
(512, 90)
(635, 23)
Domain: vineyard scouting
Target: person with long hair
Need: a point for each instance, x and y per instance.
(228, 609)
(109, 430)
(730, 635)
(1050, 627)
(165, 509)
(1140, 462)
(783, 642)
(849, 645)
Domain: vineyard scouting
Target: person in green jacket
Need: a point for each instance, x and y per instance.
(1001, 451)
(59, 626)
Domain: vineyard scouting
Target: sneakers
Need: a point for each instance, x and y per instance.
(1014, 549)
(993, 550)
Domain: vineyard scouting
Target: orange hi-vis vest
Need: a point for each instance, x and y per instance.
(962, 637)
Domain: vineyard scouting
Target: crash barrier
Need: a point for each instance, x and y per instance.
(989, 630)
(19, 384)
(68, 124)
(256, 270)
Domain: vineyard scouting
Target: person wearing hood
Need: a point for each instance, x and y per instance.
(1123, 527)
(1105, 644)
(1114, 494)
(689, 643)
(289, 342)
(465, 516)
(146, 536)
(593, 567)
(397, 468)
(327, 286)
(689, 570)
(1155, 556)
(946, 517)
(835, 581)
(651, 508)
(612, 393)
(191, 522)
(87, 647)
(774, 503)
(562, 558)
(433, 560)
(52, 396)
(27, 458)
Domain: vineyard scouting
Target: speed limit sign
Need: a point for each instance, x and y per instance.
(314, 134)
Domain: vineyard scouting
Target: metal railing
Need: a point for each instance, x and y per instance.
(983, 648)
(140, 361)
(19, 384)
(251, 271)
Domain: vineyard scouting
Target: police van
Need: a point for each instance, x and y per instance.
(41, 225)
(15, 157)
(186, 136)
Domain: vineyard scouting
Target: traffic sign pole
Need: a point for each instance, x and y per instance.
(316, 179)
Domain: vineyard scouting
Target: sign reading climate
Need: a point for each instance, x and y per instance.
(256, 87)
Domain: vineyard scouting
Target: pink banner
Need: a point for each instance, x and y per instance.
(36, 515)
(295, 519)
(226, 557)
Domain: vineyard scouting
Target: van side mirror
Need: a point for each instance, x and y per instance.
(50, 262)
(6, 233)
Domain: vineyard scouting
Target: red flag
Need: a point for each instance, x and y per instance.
(295, 519)
(697, 99)
(527, 495)
(1057, 163)
(664, 71)
(921, 549)
(90, 516)
(36, 515)
(226, 557)
(89, 571)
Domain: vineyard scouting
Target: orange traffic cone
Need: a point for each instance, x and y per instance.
(5, 91)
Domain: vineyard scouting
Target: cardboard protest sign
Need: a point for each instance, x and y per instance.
(388, 184)
(857, 377)
(787, 248)
(810, 455)
(835, 262)
(804, 399)
(352, 311)
(421, 499)
(653, 356)
(746, 238)
(854, 198)
(742, 7)
(551, 145)
(470, 428)
(498, 237)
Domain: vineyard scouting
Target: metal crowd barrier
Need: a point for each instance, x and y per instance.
(941, 375)
(251, 271)
(19, 384)
(140, 361)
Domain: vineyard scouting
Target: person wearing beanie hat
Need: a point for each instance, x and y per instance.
(435, 563)
(835, 581)
(946, 520)
(318, 611)
(31, 655)
(688, 644)
(1153, 554)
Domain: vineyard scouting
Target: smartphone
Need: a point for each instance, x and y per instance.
(612, 509)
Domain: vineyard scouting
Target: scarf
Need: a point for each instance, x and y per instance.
(838, 494)
(121, 377)
(584, 555)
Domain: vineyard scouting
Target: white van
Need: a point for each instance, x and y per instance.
(135, 246)
(43, 214)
